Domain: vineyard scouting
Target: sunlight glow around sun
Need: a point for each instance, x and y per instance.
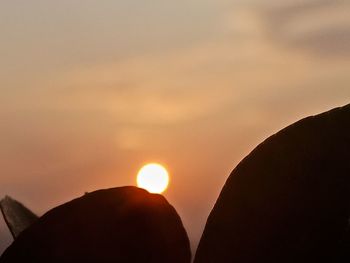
(153, 177)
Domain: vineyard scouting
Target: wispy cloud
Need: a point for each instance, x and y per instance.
(321, 27)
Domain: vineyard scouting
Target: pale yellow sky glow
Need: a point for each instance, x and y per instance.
(91, 90)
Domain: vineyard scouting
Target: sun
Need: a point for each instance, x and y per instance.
(153, 177)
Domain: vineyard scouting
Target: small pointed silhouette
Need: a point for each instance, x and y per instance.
(16, 215)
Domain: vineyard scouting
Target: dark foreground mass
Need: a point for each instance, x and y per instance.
(289, 200)
(123, 224)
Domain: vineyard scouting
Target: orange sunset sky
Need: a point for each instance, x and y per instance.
(92, 90)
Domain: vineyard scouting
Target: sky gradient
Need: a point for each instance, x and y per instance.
(92, 90)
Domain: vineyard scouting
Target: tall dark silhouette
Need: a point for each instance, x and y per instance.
(288, 200)
(125, 224)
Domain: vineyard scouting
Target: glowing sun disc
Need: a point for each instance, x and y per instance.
(153, 177)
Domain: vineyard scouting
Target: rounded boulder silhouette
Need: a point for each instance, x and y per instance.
(288, 200)
(125, 224)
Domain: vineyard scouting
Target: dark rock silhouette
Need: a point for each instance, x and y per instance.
(125, 224)
(16, 215)
(288, 200)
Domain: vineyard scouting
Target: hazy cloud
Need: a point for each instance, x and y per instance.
(321, 27)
